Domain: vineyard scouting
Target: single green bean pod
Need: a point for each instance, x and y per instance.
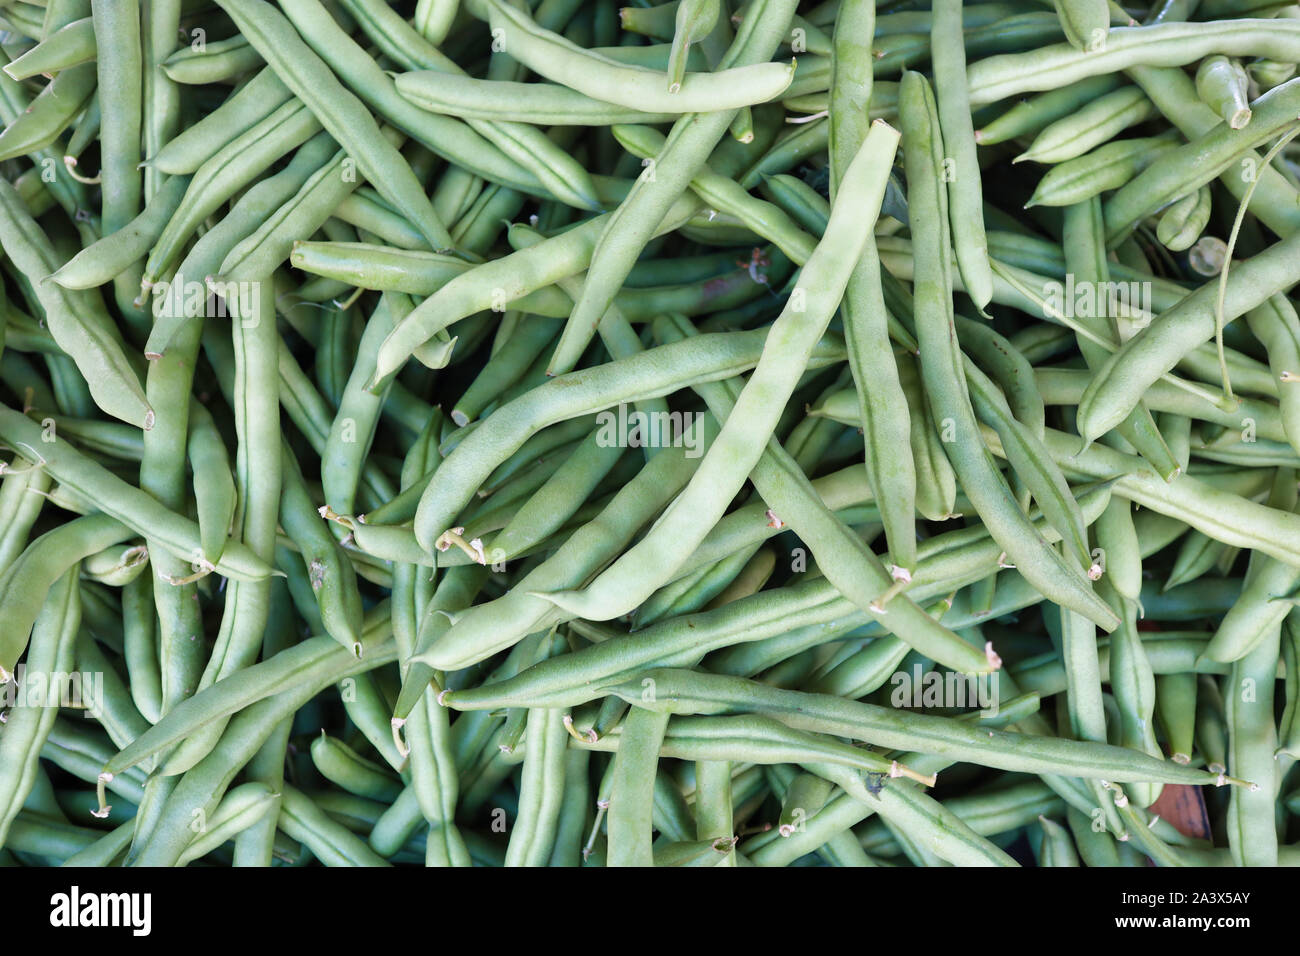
(1222, 85)
(1182, 223)
(695, 20)
(1086, 23)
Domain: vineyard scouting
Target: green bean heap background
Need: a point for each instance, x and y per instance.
(529, 432)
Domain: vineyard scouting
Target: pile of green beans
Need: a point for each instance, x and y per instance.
(706, 433)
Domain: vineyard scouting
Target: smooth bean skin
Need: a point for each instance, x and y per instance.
(632, 792)
(944, 378)
(561, 62)
(552, 105)
(65, 47)
(686, 692)
(53, 640)
(703, 446)
(75, 319)
(734, 452)
(339, 111)
(246, 106)
(1164, 44)
(1157, 349)
(24, 585)
(646, 375)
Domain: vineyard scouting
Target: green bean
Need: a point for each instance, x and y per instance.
(1269, 74)
(223, 60)
(140, 652)
(1199, 503)
(804, 798)
(1258, 613)
(1289, 728)
(116, 566)
(1221, 84)
(493, 285)
(1197, 554)
(842, 812)
(752, 619)
(935, 827)
(1175, 94)
(542, 792)
(1217, 151)
(50, 113)
(1107, 167)
(354, 425)
(75, 320)
(1252, 742)
(32, 833)
(539, 159)
(1183, 222)
(1133, 688)
(103, 261)
(987, 812)
(434, 18)
(48, 558)
(503, 622)
(1085, 22)
(562, 62)
(257, 475)
(176, 307)
(368, 707)
(290, 667)
(630, 801)
(105, 851)
(504, 369)
(202, 786)
(943, 375)
(1164, 44)
(339, 112)
(732, 455)
(214, 488)
(333, 581)
(694, 22)
(120, 91)
(1156, 349)
(685, 692)
(229, 170)
(1176, 707)
(1057, 848)
(328, 841)
(1034, 114)
(29, 725)
(761, 740)
(882, 406)
(1276, 325)
(247, 106)
(162, 108)
(239, 809)
(656, 195)
(22, 494)
(341, 765)
(646, 375)
(966, 217)
(1064, 385)
(66, 47)
(1095, 124)
(371, 216)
